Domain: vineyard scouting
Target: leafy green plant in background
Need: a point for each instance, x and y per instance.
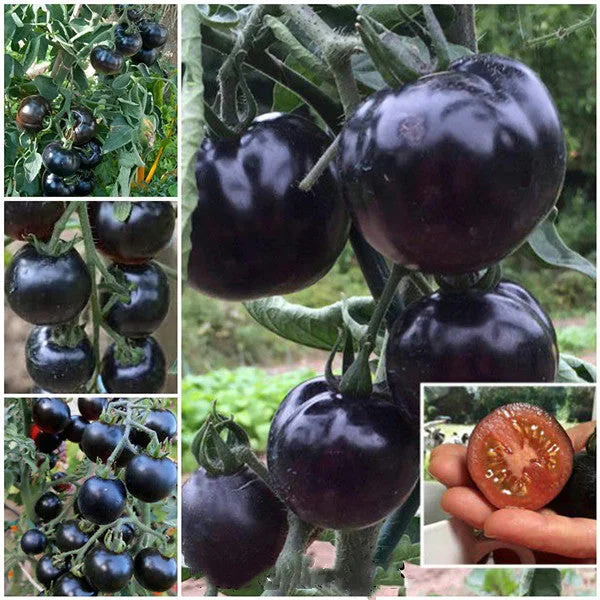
(47, 52)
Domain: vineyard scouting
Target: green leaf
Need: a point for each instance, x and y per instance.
(365, 72)
(219, 16)
(121, 81)
(455, 52)
(546, 247)
(80, 78)
(32, 165)
(119, 135)
(46, 87)
(312, 327)
(574, 370)
(545, 582)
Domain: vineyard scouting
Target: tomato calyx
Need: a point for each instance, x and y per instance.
(486, 279)
(69, 335)
(220, 444)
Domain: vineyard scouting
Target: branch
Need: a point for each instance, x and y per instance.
(462, 31)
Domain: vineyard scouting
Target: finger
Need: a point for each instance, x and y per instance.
(575, 538)
(580, 433)
(449, 465)
(468, 505)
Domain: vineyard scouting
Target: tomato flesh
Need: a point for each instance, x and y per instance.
(519, 455)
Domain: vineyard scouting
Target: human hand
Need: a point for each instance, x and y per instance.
(543, 530)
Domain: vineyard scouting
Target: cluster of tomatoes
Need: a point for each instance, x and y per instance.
(69, 164)
(99, 548)
(138, 38)
(49, 287)
(446, 175)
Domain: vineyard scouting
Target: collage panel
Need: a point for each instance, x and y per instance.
(90, 297)
(488, 450)
(90, 100)
(374, 197)
(90, 496)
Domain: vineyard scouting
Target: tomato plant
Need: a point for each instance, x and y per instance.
(62, 284)
(447, 161)
(71, 77)
(85, 533)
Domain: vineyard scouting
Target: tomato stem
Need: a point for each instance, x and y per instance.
(319, 168)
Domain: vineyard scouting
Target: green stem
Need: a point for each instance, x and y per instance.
(462, 31)
(60, 225)
(169, 271)
(354, 566)
(91, 257)
(320, 166)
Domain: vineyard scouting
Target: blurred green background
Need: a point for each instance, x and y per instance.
(228, 357)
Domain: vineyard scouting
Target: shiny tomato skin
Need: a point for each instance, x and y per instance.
(146, 56)
(56, 368)
(153, 571)
(154, 35)
(102, 501)
(51, 415)
(341, 462)
(127, 39)
(48, 570)
(75, 429)
(519, 455)
(467, 336)
(91, 408)
(160, 420)
(31, 113)
(150, 479)
(48, 506)
(34, 542)
(71, 585)
(60, 160)
(233, 526)
(85, 125)
(56, 186)
(148, 303)
(254, 232)
(68, 536)
(146, 231)
(451, 173)
(105, 60)
(146, 377)
(47, 290)
(23, 218)
(90, 154)
(107, 571)
(99, 441)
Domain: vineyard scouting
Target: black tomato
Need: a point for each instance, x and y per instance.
(33, 542)
(146, 56)
(160, 420)
(45, 442)
(145, 232)
(60, 160)
(254, 232)
(133, 14)
(51, 415)
(146, 377)
(48, 506)
(91, 408)
(233, 526)
(47, 290)
(90, 154)
(85, 126)
(57, 368)
(71, 585)
(153, 571)
(127, 531)
(100, 439)
(150, 479)
(102, 501)
(148, 303)
(468, 336)
(85, 184)
(54, 185)
(107, 571)
(451, 173)
(49, 569)
(22, 218)
(578, 497)
(341, 462)
(106, 61)
(128, 40)
(68, 536)
(31, 113)
(154, 35)
(61, 487)
(75, 429)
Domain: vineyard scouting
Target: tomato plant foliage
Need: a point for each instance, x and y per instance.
(47, 53)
